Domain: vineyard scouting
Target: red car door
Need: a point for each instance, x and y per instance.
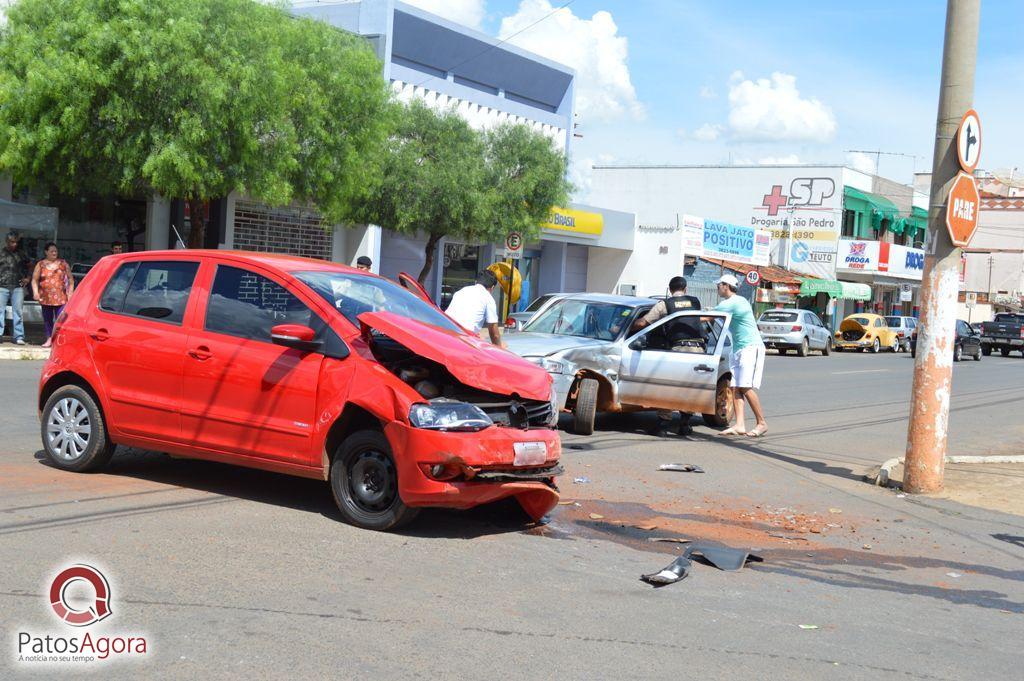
(136, 336)
(244, 394)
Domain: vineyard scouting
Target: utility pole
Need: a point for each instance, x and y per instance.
(933, 370)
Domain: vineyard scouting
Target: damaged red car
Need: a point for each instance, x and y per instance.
(302, 367)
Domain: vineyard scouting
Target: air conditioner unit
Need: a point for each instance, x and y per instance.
(626, 289)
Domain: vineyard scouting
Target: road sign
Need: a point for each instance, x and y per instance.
(514, 245)
(971, 298)
(753, 277)
(968, 141)
(906, 293)
(962, 209)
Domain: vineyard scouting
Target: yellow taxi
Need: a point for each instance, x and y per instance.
(864, 331)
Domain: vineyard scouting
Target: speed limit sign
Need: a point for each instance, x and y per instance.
(753, 277)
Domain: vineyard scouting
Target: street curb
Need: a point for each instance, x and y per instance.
(23, 352)
(881, 477)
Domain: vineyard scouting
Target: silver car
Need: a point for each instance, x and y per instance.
(799, 330)
(598, 362)
(517, 320)
(904, 328)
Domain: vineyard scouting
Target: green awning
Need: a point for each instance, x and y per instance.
(835, 289)
(875, 208)
(919, 218)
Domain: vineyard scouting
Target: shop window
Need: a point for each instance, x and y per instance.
(460, 267)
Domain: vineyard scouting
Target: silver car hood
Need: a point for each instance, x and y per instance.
(526, 344)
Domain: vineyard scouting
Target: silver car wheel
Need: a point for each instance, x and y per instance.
(68, 429)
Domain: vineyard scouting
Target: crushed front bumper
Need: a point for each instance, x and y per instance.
(484, 464)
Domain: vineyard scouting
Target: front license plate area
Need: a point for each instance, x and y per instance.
(530, 453)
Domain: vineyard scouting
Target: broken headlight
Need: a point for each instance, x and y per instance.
(448, 415)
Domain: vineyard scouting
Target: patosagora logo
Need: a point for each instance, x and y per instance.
(100, 607)
(79, 596)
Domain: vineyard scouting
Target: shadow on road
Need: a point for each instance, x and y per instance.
(300, 494)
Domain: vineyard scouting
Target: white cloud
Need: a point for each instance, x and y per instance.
(788, 160)
(772, 110)
(592, 46)
(707, 133)
(861, 161)
(707, 92)
(466, 12)
(581, 171)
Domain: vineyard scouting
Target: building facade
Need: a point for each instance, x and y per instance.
(811, 210)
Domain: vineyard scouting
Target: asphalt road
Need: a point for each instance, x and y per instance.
(231, 572)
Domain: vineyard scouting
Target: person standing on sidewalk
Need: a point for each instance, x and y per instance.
(14, 265)
(52, 285)
(747, 361)
(473, 307)
(679, 337)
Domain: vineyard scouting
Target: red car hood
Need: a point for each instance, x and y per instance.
(471, 360)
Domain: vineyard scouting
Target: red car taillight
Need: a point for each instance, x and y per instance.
(797, 327)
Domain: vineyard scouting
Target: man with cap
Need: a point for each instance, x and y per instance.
(747, 361)
(364, 263)
(13, 277)
(680, 337)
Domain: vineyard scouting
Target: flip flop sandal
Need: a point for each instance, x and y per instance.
(757, 432)
(729, 432)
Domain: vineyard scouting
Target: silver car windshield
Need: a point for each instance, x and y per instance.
(584, 318)
(354, 294)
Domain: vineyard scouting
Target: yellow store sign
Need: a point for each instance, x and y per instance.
(574, 221)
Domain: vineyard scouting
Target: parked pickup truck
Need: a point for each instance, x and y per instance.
(1004, 333)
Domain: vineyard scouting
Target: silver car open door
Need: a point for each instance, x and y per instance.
(675, 362)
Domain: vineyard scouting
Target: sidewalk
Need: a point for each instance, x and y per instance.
(994, 486)
(17, 352)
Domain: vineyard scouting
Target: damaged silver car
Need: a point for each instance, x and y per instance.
(599, 363)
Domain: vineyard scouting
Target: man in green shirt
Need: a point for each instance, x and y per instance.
(747, 361)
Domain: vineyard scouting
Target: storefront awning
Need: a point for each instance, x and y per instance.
(875, 208)
(835, 289)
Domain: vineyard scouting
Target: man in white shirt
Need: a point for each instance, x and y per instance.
(473, 307)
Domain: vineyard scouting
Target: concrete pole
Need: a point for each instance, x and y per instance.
(933, 369)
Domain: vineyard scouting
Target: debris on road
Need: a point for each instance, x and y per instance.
(808, 626)
(596, 516)
(681, 468)
(581, 481)
(866, 547)
(954, 575)
(835, 510)
(676, 540)
(676, 571)
(566, 503)
(722, 557)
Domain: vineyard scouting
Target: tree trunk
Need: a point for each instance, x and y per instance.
(197, 222)
(428, 259)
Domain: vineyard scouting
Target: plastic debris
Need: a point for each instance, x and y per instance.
(808, 626)
(581, 481)
(866, 547)
(676, 540)
(835, 510)
(566, 503)
(954, 575)
(676, 571)
(681, 468)
(722, 557)
(596, 516)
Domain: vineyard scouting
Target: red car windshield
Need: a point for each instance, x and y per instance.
(354, 294)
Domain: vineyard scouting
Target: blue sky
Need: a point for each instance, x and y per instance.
(860, 75)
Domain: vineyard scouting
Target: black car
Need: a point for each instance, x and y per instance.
(967, 343)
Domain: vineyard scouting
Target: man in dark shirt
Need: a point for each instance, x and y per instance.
(13, 277)
(680, 337)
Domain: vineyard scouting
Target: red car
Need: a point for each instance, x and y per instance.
(297, 366)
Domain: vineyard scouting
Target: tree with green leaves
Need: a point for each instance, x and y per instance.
(442, 179)
(189, 99)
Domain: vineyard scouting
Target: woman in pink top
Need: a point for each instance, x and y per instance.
(52, 285)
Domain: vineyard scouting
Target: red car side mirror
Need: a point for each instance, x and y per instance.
(294, 336)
